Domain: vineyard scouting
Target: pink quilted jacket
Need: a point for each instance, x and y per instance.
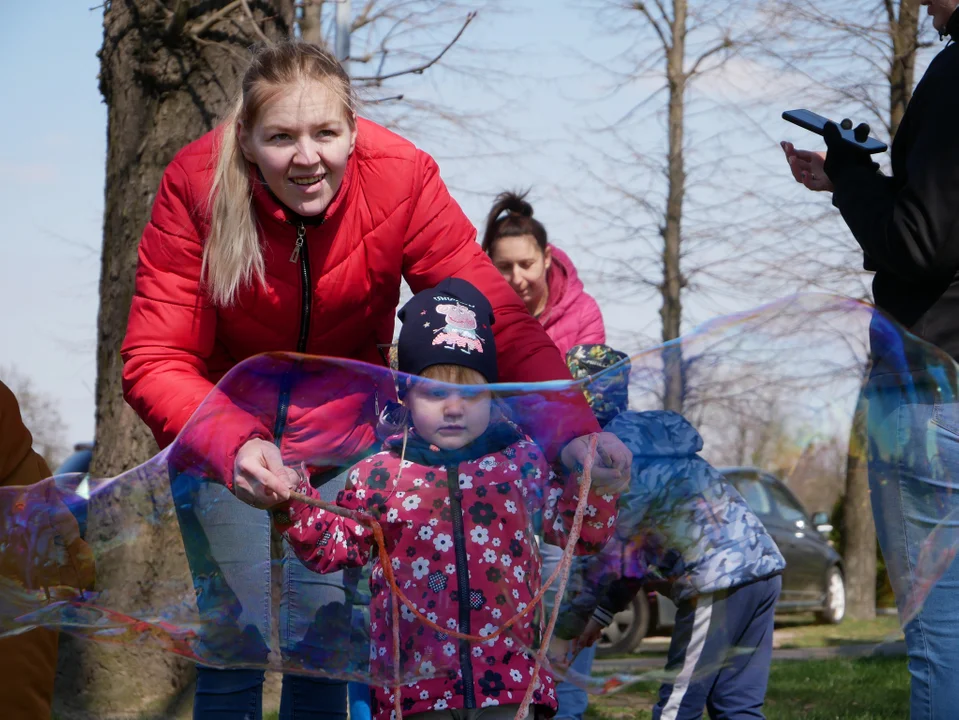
(571, 316)
(460, 535)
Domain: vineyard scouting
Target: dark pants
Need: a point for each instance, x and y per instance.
(229, 550)
(720, 653)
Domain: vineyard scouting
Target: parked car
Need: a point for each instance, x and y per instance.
(73, 478)
(78, 461)
(813, 579)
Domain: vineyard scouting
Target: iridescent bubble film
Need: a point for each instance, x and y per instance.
(805, 389)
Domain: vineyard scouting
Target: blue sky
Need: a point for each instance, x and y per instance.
(51, 198)
(542, 110)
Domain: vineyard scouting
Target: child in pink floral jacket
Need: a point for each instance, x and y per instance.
(457, 506)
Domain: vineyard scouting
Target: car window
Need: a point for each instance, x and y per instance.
(754, 493)
(786, 508)
(77, 462)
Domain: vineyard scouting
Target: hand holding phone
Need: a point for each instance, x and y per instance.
(857, 137)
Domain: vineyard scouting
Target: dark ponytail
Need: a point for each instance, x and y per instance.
(517, 220)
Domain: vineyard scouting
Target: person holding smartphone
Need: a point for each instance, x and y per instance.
(908, 227)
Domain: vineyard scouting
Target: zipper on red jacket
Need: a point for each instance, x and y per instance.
(306, 306)
(462, 584)
(301, 252)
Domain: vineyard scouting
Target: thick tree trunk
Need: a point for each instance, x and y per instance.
(168, 71)
(672, 308)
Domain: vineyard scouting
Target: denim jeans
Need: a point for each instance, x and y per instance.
(913, 455)
(228, 547)
(571, 698)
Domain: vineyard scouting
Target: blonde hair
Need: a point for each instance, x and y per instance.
(232, 256)
(454, 375)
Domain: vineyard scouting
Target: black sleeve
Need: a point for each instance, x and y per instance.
(620, 594)
(909, 229)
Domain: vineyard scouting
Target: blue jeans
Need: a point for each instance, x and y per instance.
(228, 547)
(571, 698)
(359, 701)
(913, 456)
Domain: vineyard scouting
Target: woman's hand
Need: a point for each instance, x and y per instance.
(807, 168)
(611, 466)
(259, 477)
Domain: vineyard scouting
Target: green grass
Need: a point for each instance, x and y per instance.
(800, 633)
(863, 689)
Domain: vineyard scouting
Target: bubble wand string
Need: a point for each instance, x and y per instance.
(561, 572)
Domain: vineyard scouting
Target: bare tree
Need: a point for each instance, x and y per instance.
(667, 205)
(41, 415)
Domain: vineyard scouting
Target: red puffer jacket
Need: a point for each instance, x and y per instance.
(392, 217)
(459, 528)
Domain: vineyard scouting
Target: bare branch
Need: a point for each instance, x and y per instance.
(419, 69)
(719, 47)
(254, 23)
(216, 17)
(655, 25)
(378, 101)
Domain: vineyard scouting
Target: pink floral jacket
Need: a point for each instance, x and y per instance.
(465, 554)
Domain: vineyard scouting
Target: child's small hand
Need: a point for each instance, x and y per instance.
(560, 653)
(590, 634)
(611, 466)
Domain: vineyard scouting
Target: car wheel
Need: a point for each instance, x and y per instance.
(627, 629)
(834, 606)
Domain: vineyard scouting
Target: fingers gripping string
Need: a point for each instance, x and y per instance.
(561, 573)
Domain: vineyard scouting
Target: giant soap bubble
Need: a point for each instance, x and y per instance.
(781, 387)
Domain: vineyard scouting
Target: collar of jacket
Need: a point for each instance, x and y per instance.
(269, 206)
(952, 27)
(498, 436)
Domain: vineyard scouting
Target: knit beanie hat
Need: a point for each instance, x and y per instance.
(607, 395)
(450, 324)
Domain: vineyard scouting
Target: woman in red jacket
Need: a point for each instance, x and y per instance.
(541, 274)
(289, 228)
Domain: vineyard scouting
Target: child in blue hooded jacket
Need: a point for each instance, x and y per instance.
(682, 523)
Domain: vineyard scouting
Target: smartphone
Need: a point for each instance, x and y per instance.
(809, 120)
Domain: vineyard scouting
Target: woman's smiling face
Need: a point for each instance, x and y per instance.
(301, 142)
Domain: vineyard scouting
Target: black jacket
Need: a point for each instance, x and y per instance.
(908, 224)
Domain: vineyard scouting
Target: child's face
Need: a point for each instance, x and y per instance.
(448, 416)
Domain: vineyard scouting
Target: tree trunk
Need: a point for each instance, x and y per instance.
(859, 529)
(904, 34)
(311, 22)
(166, 76)
(671, 312)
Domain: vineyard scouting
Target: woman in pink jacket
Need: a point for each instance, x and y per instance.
(541, 274)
